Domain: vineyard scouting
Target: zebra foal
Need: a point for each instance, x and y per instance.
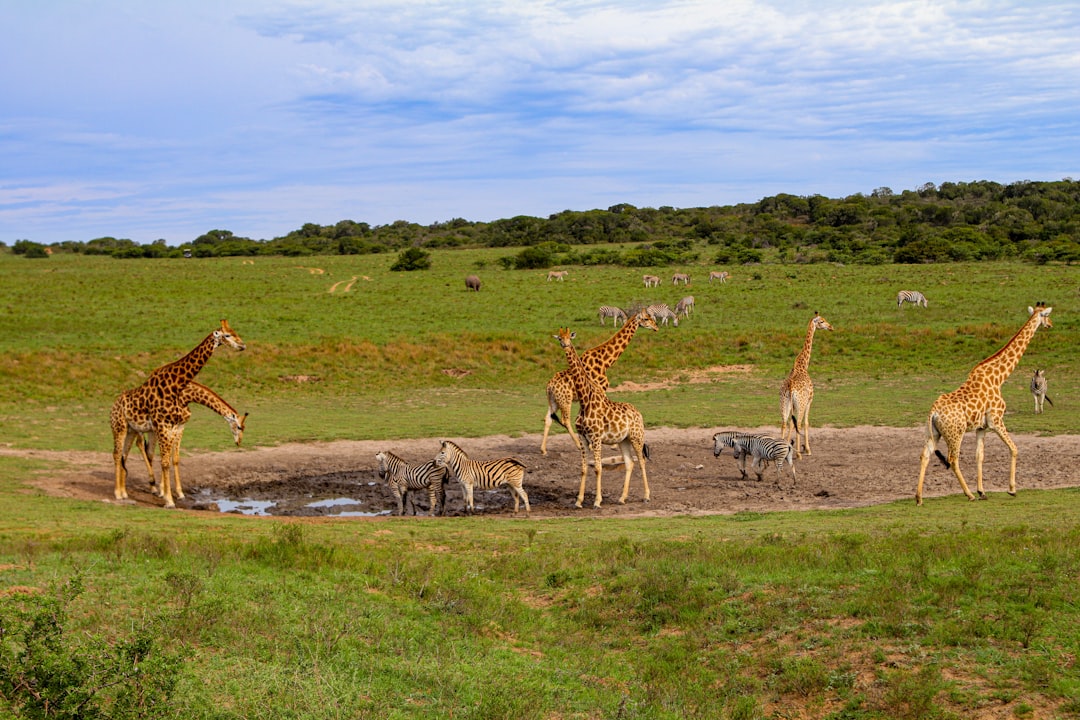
(662, 313)
(1038, 390)
(765, 450)
(911, 296)
(402, 477)
(485, 475)
(610, 311)
(727, 438)
(685, 306)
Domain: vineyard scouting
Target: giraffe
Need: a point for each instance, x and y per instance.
(603, 422)
(977, 405)
(123, 422)
(156, 406)
(797, 390)
(597, 360)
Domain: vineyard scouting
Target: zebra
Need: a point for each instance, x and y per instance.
(557, 275)
(651, 280)
(680, 278)
(610, 311)
(766, 449)
(662, 313)
(402, 477)
(484, 475)
(1038, 390)
(911, 296)
(727, 438)
(685, 306)
(721, 275)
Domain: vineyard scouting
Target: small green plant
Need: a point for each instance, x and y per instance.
(410, 259)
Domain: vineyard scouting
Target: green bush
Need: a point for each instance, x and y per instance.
(412, 259)
(46, 672)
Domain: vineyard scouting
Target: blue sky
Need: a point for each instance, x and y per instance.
(166, 119)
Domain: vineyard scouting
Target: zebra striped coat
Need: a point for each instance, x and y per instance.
(402, 477)
(1038, 390)
(680, 278)
(765, 450)
(610, 311)
(727, 438)
(651, 280)
(662, 313)
(685, 306)
(721, 275)
(911, 296)
(485, 475)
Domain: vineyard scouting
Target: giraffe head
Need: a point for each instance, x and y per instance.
(225, 334)
(236, 423)
(566, 338)
(645, 319)
(1044, 315)
(820, 323)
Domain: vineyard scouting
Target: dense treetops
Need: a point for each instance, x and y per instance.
(1035, 221)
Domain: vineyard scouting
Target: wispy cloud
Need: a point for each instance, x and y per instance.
(259, 117)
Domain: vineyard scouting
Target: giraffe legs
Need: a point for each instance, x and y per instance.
(555, 411)
(121, 445)
(169, 440)
(628, 461)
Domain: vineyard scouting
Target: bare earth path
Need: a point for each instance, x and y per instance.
(850, 467)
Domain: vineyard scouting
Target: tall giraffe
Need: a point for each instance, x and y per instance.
(603, 422)
(597, 360)
(126, 427)
(156, 404)
(977, 405)
(797, 390)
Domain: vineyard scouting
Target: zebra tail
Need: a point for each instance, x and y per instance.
(1047, 398)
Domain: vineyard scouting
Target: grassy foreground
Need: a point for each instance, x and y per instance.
(954, 610)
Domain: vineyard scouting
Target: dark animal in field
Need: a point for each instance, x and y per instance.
(472, 283)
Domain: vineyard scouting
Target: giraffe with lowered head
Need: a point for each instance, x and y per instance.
(157, 406)
(126, 427)
(797, 390)
(604, 422)
(597, 360)
(978, 405)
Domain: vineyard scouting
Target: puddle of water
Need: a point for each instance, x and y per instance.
(245, 507)
(334, 502)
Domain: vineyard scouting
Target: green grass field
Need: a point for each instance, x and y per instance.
(954, 610)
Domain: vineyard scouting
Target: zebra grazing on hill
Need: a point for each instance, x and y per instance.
(911, 296)
(485, 475)
(651, 280)
(765, 450)
(721, 275)
(680, 278)
(559, 275)
(610, 311)
(684, 306)
(1038, 390)
(662, 313)
(402, 477)
(727, 438)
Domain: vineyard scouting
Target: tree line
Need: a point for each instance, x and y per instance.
(955, 221)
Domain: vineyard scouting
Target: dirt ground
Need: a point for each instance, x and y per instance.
(849, 467)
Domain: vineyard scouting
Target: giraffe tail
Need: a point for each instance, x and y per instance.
(935, 433)
(645, 451)
(556, 418)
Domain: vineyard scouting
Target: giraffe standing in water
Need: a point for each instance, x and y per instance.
(155, 405)
(797, 391)
(128, 428)
(603, 422)
(560, 388)
(978, 405)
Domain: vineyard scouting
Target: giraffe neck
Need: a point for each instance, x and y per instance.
(180, 372)
(998, 367)
(583, 384)
(802, 362)
(197, 393)
(604, 355)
